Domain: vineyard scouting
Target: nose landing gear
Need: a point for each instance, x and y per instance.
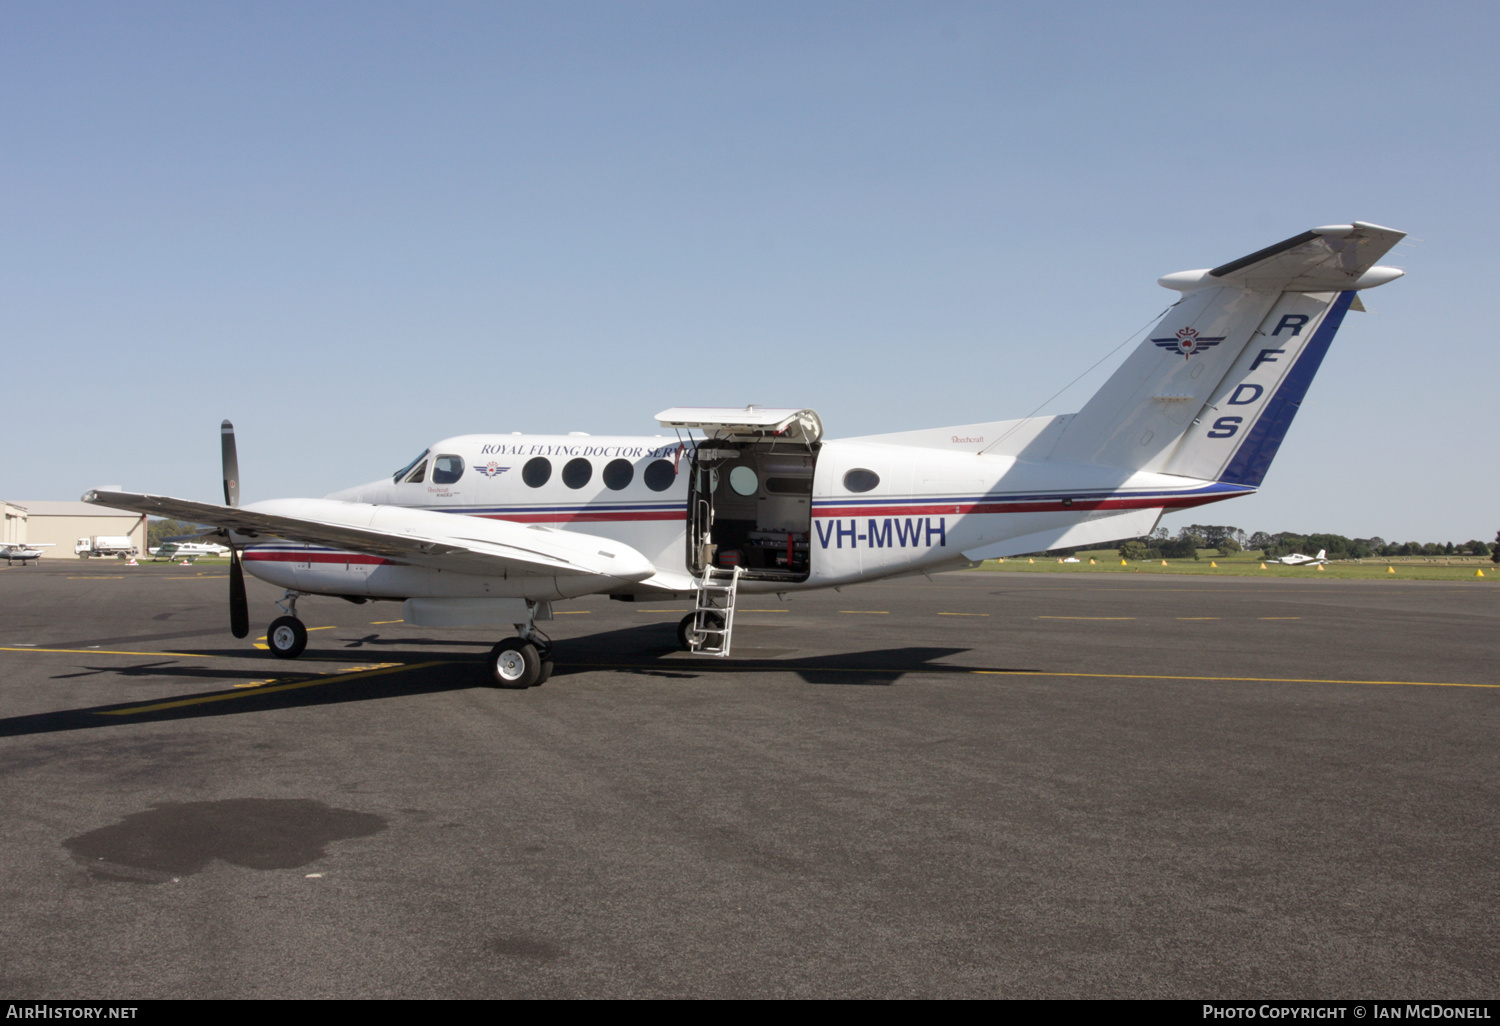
(287, 636)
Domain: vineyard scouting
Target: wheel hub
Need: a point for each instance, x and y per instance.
(511, 664)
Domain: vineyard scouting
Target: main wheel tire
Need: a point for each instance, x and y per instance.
(514, 663)
(287, 637)
(686, 629)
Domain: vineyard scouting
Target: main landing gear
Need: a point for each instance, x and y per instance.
(520, 662)
(524, 661)
(287, 636)
(687, 630)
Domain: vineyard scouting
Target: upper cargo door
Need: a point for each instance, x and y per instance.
(747, 424)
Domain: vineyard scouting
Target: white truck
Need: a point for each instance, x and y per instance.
(118, 545)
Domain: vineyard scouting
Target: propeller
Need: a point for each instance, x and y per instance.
(239, 606)
(231, 465)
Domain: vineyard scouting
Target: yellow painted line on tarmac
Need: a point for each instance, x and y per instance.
(1198, 618)
(98, 577)
(572, 612)
(222, 696)
(963, 614)
(1085, 618)
(1278, 617)
(764, 610)
(379, 623)
(267, 648)
(309, 630)
(107, 651)
(867, 612)
(347, 669)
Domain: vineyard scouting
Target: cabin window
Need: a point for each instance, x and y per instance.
(743, 480)
(861, 480)
(447, 469)
(617, 474)
(659, 475)
(576, 473)
(398, 475)
(537, 471)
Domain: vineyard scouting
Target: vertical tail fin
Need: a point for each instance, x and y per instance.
(1213, 389)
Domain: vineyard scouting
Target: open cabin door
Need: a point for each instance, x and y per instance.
(750, 490)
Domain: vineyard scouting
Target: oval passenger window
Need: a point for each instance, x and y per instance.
(743, 480)
(617, 474)
(576, 473)
(447, 469)
(659, 475)
(537, 471)
(861, 480)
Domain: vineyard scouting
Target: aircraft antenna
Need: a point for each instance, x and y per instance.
(1133, 336)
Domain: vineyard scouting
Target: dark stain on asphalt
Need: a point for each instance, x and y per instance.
(176, 839)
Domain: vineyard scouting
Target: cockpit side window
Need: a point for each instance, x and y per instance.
(417, 476)
(447, 469)
(398, 475)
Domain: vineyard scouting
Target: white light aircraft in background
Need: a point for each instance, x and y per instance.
(1297, 559)
(491, 529)
(186, 550)
(13, 551)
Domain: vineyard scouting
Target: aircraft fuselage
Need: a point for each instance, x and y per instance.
(861, 511)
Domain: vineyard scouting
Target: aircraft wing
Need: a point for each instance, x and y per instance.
(443, 541)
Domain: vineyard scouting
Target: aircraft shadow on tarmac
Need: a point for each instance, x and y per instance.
(409, 668)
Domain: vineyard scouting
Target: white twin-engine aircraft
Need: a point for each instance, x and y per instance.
(491, 529)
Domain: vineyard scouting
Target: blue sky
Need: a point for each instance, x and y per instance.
(375, 225)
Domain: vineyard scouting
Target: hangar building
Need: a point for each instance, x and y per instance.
(37, 521)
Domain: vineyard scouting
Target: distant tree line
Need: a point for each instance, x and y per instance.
(158, 531)
(1227, 540)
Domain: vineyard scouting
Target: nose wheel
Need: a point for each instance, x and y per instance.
(287, 637)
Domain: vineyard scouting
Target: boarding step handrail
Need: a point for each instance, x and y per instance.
(713, 617)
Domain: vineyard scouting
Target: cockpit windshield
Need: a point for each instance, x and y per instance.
(398, 475)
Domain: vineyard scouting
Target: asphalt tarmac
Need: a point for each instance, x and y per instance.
(985, 785)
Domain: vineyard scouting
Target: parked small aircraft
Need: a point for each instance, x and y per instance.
(170, 550)
(1297, 559)
(20, 551)
(491, 529)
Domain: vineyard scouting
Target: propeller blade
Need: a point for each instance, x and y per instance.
(239, 606)
(231, 465)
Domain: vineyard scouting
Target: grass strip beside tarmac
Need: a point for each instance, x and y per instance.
(1411, 568)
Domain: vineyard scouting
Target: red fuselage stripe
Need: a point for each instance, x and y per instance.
(932, 509)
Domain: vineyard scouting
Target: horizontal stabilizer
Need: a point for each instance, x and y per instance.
(1334, 258)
